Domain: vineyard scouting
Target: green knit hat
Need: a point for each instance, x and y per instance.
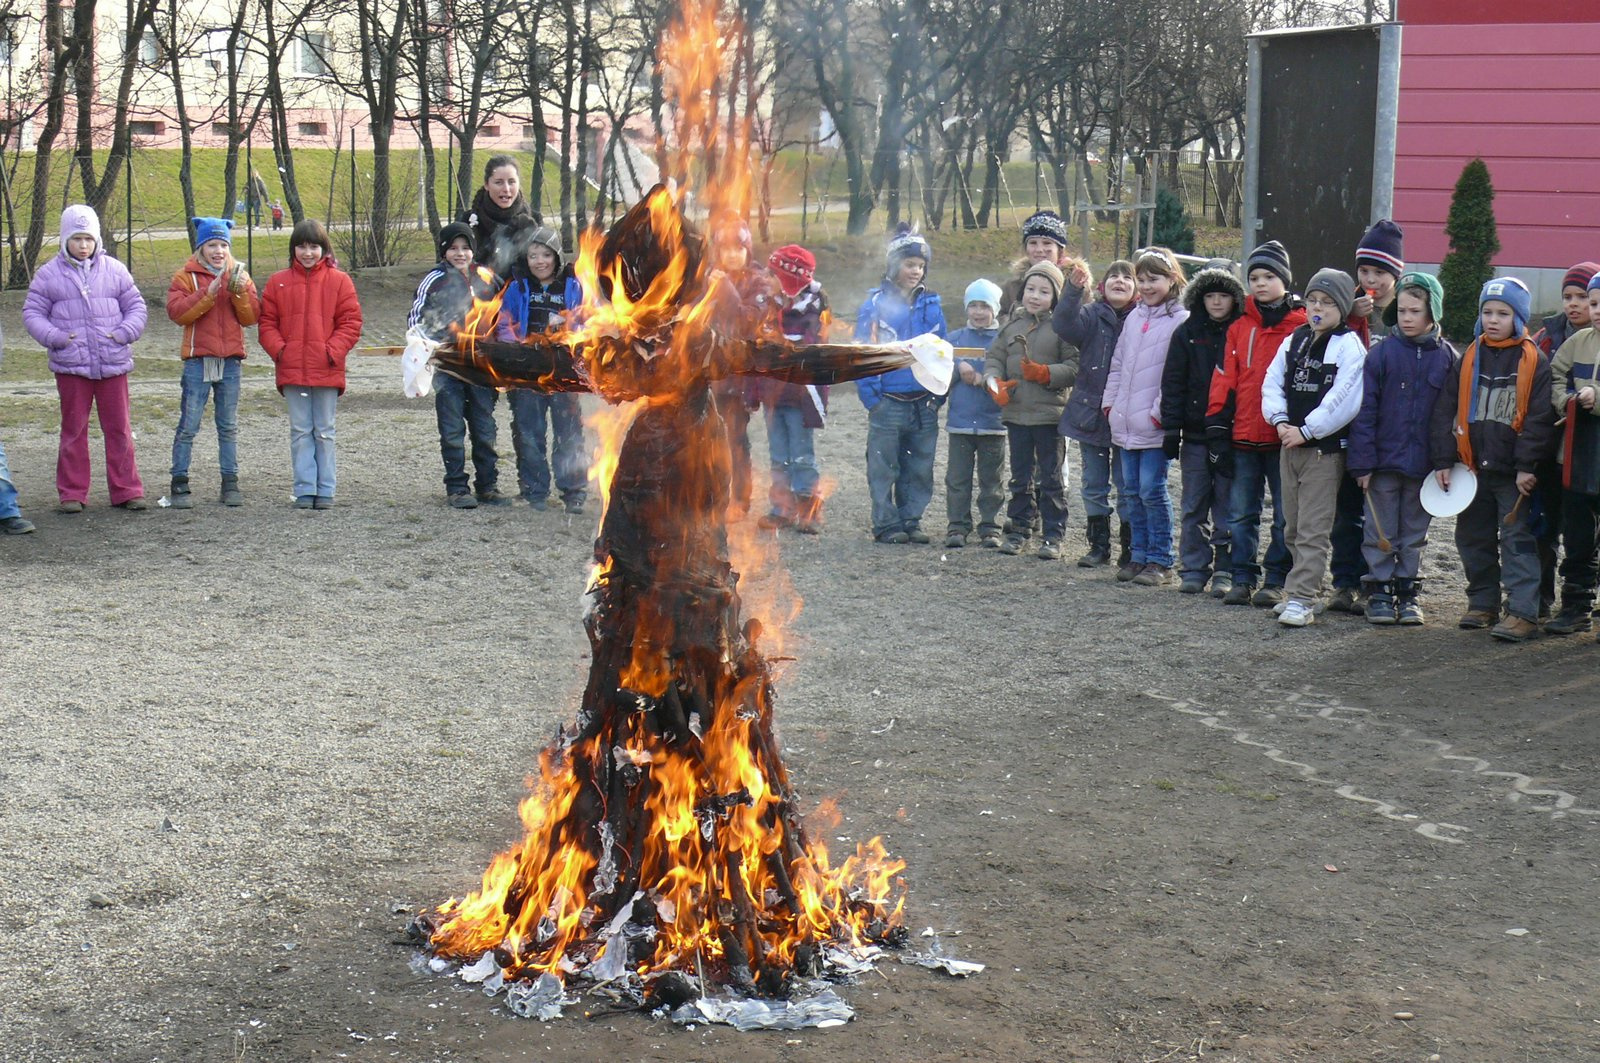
(1427, 282)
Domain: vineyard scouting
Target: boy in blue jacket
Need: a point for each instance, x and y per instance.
(902, 417)
(542, 289)
(977, 437)
(1389, 455)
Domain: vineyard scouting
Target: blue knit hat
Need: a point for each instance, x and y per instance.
(208, 229)
(1514, 294)
(984, 291)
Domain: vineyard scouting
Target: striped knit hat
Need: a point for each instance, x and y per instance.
(1383, 246)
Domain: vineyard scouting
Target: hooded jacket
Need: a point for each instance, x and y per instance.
(1401, 383)
(310, 319)
(1133, 388)
(1196, 355)
(86, 314)
(1093, 329)
(213, 324)
(888, 315)
(1032, 336)
(1235, 401)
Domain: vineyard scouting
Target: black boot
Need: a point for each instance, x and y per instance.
(1382, 601)
(231, 495)
(1574, 614)
(1099, 535)
(179, 497)
(1407, 612)
(1125, 536)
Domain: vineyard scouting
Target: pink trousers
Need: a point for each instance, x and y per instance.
(110, 396)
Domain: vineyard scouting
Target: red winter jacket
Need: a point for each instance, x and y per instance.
(212, 324)
(309, 321)
(1235, 399)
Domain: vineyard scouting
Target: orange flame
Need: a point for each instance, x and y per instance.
(724, 846)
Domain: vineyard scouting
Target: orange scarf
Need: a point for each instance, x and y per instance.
(1527, 365)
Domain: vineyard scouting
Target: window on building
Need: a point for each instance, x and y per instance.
(311, 57)
(489, 131)
(313, 129)
(147, 129)
(221, 129)
(8, 40)
(214, 51)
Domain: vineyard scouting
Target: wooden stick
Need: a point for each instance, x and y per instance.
(1383, 540)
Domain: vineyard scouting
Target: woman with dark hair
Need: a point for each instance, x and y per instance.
(495, 206)
(310, 320)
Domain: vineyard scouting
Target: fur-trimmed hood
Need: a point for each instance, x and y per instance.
(1207, 281)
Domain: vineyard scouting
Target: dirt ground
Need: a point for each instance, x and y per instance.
(238, 740)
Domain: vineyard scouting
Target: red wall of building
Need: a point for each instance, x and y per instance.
(1524, 95)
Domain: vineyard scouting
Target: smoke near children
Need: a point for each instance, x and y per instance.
(664, 855)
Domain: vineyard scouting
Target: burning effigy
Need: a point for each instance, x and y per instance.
(664, 861)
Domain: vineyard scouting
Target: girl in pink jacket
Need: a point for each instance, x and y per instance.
(84, 310)
(1133, 407)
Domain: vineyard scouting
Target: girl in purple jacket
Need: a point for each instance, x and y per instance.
(1132, 403)
(83, 308)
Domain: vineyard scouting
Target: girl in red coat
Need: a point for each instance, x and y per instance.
(309, 322)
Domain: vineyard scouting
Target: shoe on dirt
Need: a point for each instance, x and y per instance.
(1238, 594)
(1380, 609)
(1127, 572)
(304, 502)
(1266, 596)
(492, 497)
(955, 541)
(1051, 550)
(459, 501)
(990, 541)
(321, 502)
(1296, 614)
(1012, 545)
(136, 504)
(894, 538)
(1409, 612)
(917, 535)
(1221, 584)
(70, 505)
(1477, 619)
(1515, 629)
(16, 526)
(1191, 585)
(1153, 575)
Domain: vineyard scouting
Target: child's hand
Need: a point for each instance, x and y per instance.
(1443, 476)
(1526, 482)
(1586, 397)
(969, 375)
(1290, 436)
(1035, 371)
(1001, 390)
(1362, 307)
(1079, 275)
(215, 286)
(1363, 481)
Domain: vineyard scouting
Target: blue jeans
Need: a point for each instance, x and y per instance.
(461, 406)
(793, 455)
(1255, 472)
(1038, 485)
(901, 440)
(1149, 507)
(530, 412)
(8, 490)
(1102, 467)
(1349, 530)
(311, 444)
(224, 410)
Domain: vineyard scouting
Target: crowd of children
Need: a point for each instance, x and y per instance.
(1346, 406)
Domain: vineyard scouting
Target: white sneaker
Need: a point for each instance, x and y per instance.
(1278, 609)
(1317, 608)
(1296, 614)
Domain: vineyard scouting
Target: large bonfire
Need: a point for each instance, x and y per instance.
(664, 852)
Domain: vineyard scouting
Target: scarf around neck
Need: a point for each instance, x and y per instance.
(1467, 411)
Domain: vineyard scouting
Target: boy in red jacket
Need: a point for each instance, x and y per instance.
(213, 298)
(1239, 438)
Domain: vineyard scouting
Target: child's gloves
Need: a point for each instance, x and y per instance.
(1172, 445)
(1037, 372)
(1001, 390)
(238, 278)
(1219, 453)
